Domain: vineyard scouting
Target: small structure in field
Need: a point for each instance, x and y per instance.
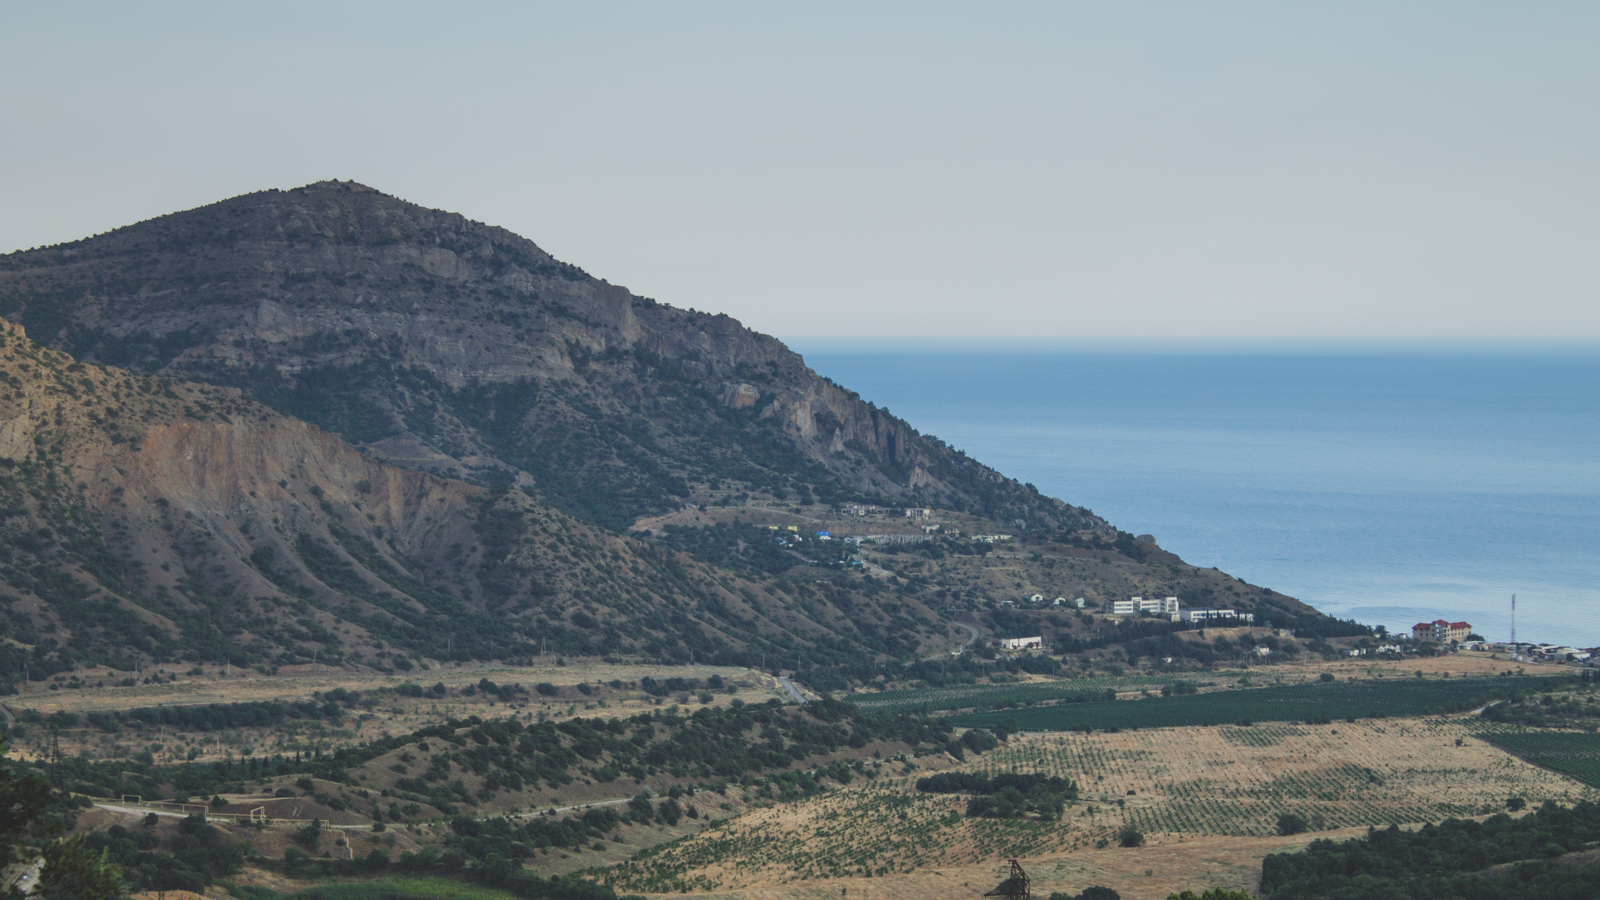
(1018, 886)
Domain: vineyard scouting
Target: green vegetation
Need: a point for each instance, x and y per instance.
(1577, 709)
(1001, 696)
(508, 755)
(749, 548)
(1008, 795)
(1576, 754)
(1503, 858)
(33, 819)
(187, 861)
(381, 888)
(1378, 698)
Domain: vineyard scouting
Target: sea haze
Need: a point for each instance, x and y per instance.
(1390, 487)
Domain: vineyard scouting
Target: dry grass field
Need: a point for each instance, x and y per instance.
(1178, 786)
(394, 714)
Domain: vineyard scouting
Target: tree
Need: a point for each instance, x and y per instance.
(74, 872)
(70, 871)
(1292, 823)
(1131, 837)
(23, 799)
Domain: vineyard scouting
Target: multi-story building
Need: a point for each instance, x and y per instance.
(1441, 632)
(1161, 606)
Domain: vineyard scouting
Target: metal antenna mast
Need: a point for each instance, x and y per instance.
(1513, 625)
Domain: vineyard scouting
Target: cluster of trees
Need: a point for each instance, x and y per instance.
(33, 819)
(189, 860)
(1549, 710)
(510, 755)
(1447, 861)
(219, 716)
(710, 743)
(1008, 795)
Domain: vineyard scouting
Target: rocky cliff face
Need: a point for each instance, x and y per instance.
(147, 518)
(444, 344)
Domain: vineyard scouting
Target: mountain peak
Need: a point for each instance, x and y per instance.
(432, 340)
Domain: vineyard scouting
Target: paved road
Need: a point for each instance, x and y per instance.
(972, 636)
(794, 692)
(141, 810)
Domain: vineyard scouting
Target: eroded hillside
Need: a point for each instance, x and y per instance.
(146, 518)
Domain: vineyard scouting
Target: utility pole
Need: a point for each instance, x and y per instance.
(1513, 626)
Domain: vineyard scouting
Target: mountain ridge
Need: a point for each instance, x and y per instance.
(424, 333)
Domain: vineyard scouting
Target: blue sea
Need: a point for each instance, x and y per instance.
(1391, 487)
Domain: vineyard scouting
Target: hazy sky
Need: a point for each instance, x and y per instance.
(985, 169)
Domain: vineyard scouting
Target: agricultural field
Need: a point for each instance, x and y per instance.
(1572, 753)
(967, 696)
(578, 689)
(1174, 785)
(1379, 698)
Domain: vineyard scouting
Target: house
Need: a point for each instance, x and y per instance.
(1036, 599)
(1079, 602)
(1387, 648)
(919, 513)
(1022, 643)
(1262, 651)
(991, 538)
(824, 535)
(1441, 632)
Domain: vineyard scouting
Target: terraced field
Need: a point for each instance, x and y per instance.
(1172, 784)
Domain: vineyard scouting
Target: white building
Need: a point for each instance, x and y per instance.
(1167, 606)
(1221, 616)
(1022, 643)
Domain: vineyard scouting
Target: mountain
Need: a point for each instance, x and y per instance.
(325, 423)
(440, 343)
(144, 519)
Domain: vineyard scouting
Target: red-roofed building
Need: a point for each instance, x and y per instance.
(1441, 632)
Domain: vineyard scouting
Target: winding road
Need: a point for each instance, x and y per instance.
(972, 636)
(794, 692)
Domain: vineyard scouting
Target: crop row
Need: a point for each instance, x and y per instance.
(1298, 702)
(1572, 753)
